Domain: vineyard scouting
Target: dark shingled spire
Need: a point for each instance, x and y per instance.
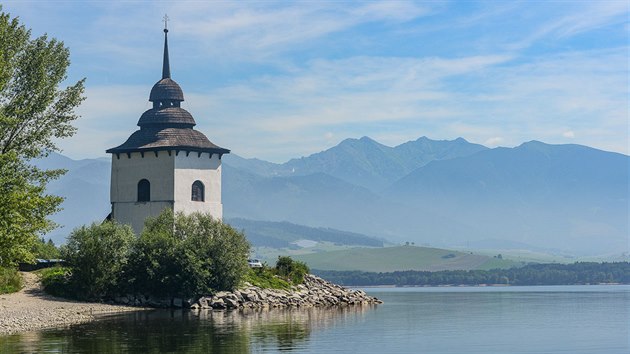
(166, 89)
(167, 126)
(166, 68)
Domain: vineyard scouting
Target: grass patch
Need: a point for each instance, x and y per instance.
(265, 278)
(10, 280)
(55, 281)
(399, 258)
(497, 263)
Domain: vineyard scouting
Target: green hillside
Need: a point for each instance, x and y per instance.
(391, 259)
(286, 235)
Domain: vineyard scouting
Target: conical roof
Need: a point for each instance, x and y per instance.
(167, 126)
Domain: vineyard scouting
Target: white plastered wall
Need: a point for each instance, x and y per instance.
(205, 168)
(171, 178)
(127, 171)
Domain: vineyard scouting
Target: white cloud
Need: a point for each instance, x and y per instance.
(569, 134)
(582, 17)
(256, 31)
(492, 142)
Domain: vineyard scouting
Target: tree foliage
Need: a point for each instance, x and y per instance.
(98, 255)
(176, 255)
(291, 270)
(24, 207)
(43, 249)
(34, 113)
(533, 274)
(187, 255)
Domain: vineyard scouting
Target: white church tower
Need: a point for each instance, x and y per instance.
(166, 163)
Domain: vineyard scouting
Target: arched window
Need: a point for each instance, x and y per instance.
(144, 190)
(197, 192)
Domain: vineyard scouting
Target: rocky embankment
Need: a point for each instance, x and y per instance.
(315, 292)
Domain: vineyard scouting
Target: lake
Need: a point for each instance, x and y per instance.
(545, 319)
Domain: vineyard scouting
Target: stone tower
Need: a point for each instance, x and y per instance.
(165, 163)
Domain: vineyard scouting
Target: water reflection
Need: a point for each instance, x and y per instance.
(206, 331)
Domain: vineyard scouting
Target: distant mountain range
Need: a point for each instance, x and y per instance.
(570, 198)
(363, 162)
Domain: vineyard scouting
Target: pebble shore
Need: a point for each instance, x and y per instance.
(31, 309)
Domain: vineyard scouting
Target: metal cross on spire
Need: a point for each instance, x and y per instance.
(165, 19)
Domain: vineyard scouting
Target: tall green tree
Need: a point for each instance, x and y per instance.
(34, 113)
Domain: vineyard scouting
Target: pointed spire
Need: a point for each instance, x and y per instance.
(166, 68)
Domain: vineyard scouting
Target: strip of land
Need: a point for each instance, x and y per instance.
(32, 309)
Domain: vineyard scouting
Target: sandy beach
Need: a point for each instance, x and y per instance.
(32, 309)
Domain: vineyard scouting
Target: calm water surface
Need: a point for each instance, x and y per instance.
(559, 319)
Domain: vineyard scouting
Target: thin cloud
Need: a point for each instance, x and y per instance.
(585, 16)
(494, 141)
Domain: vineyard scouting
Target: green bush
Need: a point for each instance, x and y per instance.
(10, 280)
(291, 270)
(265, 278)
(187, 255)
(56, 281)
(98, 256)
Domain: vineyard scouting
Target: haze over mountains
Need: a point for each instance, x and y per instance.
(445, 193)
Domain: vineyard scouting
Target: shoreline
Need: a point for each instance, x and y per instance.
(31, 309)
(472, 286)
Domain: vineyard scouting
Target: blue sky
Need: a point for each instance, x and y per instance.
(277, 80)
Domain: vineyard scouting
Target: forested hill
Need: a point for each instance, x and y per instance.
(535, 274)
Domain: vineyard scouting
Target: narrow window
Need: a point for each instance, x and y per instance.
(197, 192)
(144, 190)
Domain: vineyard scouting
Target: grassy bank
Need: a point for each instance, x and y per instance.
(55, 281)
(10, 280)
(265, 278)
(390, 259)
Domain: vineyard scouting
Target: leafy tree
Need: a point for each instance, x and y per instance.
(45, 249)
(533, 274)
(34, 112)
(24, 207)
(187, 255)
(98, 255)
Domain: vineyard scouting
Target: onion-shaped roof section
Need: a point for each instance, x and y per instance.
(170, 116)
(166, 90)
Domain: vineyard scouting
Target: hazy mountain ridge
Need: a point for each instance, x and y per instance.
(86, 189)
(566, 197)
(364, 161)
(534, 191)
